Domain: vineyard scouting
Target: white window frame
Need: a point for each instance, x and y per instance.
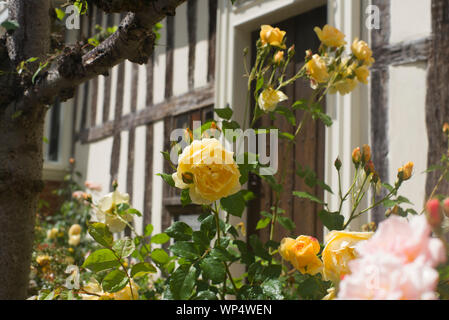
(351, 122)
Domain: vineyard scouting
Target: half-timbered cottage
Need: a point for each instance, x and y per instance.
(117, 124)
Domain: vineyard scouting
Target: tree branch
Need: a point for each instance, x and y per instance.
(134, 40)
(117, 6)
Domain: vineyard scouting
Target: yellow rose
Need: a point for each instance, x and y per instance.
(405, 173)
(362, 74)
(344, 87)
(74, 240)
(302, 254)
(125, 293)
(362, 52)
(107, 207)
(339, 250)
(52, 233)
(208, 171)
(272, 36)
(43, 260)
(93, 291)
(270, 98)
(330, 36)
(74, 230)
(317, 70)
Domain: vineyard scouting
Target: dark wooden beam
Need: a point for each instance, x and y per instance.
(403, 53)
(212, 39)
(194, 100)
(437, 104)
(169, 59)
(192, 6)
(148, 175)
(379, 99)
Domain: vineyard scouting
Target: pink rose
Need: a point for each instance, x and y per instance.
(397, 263)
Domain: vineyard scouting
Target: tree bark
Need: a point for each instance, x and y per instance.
(23, 108)
(21, 153)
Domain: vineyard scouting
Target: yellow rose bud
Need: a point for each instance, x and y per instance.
(215, 173)
(356, 156)
(272, 36)
(74, 230)
(302, 254)
(405, 173)
(362, 74)
(330, 36)
(279, 57)
(362, 52)
(317, 70)
(339, 251)
(270, 98)
(366, 153)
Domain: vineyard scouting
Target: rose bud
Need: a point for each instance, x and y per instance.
(434, 214)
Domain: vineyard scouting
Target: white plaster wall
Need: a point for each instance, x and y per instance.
(158, 167)
(407, 131)
(123, 164)
(159, 66)
(202, 47)
(410, 19)
(97, 168)
(142, 87)
(181, 52)
(139, 175)
(127, 87)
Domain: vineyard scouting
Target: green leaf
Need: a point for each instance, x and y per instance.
(185, 197)
(100, 260)
(114, 281)
(160, 238)
(221, 254)
(234, 205)
(182, 282)
(332, 221)
(148, 230)
(225, 113)
(288, 114)
(201, 239)
(124, 247)
(167, 178)
(185, 249)
(312, 287)
(306, 195)
(263, 223)
(60, 14)
(10, 25)
(300, 105)
(233, 125)
(100, 232)
(134, 211)
(213, 269)
(206, 295)
(258, 248)
(272, 288)
(287, 136)
(160, 256)
(141, 269)
(287, 223)
(180, 231)
(259, 84)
